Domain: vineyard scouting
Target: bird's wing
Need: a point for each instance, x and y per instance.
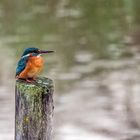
(21, 65)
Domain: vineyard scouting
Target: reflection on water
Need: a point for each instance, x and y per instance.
(95, 67)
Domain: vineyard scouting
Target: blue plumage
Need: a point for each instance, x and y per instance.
(28, 52)
(24, 58)
(21, 65)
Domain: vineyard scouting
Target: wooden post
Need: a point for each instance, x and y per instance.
(34, 109)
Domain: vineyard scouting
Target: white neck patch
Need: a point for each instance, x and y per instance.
(25, 55)
(38, 55)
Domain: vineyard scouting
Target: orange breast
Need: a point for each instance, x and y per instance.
(33, 67)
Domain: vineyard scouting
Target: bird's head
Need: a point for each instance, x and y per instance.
(34, 51)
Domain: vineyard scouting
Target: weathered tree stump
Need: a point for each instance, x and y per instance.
(34, 109)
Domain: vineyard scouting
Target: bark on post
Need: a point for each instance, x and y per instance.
(34, 109)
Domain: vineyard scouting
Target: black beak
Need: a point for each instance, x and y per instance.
(44, 51)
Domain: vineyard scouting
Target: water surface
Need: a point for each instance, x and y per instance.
(95, 67)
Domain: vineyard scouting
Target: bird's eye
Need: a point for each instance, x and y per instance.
(36, 51)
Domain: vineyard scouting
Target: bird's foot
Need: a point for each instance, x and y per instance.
(30, 80)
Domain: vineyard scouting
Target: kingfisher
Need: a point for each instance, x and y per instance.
(30, 64)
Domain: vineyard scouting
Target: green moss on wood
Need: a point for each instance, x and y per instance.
(29, 89)
(29, 99)
(40, 85)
